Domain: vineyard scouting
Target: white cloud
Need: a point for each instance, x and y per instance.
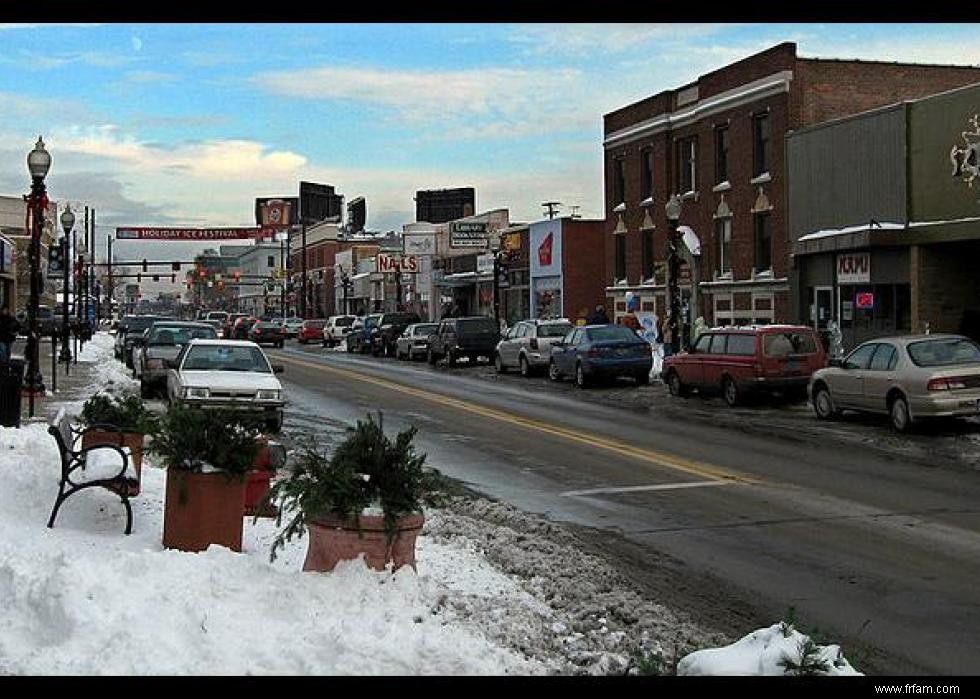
(576, 39)
(137, 43)
(149, 76)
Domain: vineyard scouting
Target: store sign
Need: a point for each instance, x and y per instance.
(420, 243)
(511, 242)
(276, 213)
(854, 268)
(544, 248)
(194, 234)
(484, 264)
(865, 300)
(392, 264)
(467, 235)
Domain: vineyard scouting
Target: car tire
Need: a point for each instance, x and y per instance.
(898, 414)
(643, 379)
(451, 358)
(823, 404)
(350, 347)
(430, 357)
(676, 386)
(581, 380)
(274, 425)
(553, 372)
(525, 367)
(146, 390)
(730, 392)
(498, 363)
(283, 344)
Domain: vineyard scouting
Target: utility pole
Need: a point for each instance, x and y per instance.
(111, 293)
(552, 208)
(302, 312)
(91, 269)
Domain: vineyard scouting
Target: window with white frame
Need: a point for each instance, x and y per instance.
(687, 149)
(723, 235)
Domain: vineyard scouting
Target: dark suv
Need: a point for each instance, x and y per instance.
(472, 337)
(390, 326)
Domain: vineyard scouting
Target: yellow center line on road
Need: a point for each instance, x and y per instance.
(669, 461)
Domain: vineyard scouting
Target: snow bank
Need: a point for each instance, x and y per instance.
(83, 598)
(111, 375)
(761, 653)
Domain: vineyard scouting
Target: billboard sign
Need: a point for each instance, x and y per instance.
(194, 234)
(468, 235)
(392, 264)
(318, 202)
(277, 212)
(545, 248)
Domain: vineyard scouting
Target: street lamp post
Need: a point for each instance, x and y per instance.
(495, 251)
(67, 223)
(38, 164)
(673, 211)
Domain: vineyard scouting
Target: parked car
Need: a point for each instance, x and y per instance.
(217, 315)
(267, 332)
(164, 340)
(336, 329)
(292, 326)
(227, 373)
(239, 330)
(473, 337)
(311, 331)
(909, 378)
(527, 345)
(218, 325)
(390, 326)
(589, 352)
(746, 360)
(228, 325)
(359, 338)
(414, 340)
(133, 335)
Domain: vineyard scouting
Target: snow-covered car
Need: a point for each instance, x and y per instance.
(227, 373)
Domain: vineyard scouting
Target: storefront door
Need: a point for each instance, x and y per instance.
(823, 306)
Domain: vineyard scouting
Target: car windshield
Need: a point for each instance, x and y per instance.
(554, 329)
(141, 323)
(343, 321)
(265, 325)
(478, 325)
(784, 344)
(944, 352)
(315, 324)
(179, 334)
(611, 332)
(226, 358)
(426, 329)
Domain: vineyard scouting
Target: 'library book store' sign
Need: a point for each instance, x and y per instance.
(468, 235)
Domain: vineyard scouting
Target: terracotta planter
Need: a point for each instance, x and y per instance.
(203, 509)
(133, 440)
(333, 539)
(256, 486)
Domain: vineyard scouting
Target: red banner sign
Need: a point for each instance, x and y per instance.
(194, 234)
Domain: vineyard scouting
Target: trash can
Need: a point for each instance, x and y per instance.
(11, 383)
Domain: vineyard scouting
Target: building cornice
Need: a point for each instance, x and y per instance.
(774, 84)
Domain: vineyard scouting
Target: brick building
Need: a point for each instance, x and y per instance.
(562, 253)
(719, 143)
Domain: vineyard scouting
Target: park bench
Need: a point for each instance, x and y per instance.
(102, 465)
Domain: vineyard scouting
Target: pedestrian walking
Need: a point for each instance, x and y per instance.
(9, 326)
(598, 316)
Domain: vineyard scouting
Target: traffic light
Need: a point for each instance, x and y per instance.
(139, 277)
(173, 278)
(175, 266)
(145, 263)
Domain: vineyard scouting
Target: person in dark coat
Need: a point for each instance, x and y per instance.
(598, 316)
(9, 326)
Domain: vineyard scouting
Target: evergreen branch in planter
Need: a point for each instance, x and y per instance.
(366, 469)
(190, 438)
(129, 414)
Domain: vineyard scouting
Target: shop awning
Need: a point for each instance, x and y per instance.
(875, 234)
(458, 279)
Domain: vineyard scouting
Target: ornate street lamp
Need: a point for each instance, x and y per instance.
(673, 211)
(67, 223)
(38, 164)
(494, 244)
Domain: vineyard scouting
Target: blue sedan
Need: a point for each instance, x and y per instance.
(594, 351)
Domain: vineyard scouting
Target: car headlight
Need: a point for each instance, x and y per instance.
(192, 392)
(268, 394)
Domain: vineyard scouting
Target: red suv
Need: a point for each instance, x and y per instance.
(738, 361)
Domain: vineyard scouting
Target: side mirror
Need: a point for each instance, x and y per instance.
(278, 368)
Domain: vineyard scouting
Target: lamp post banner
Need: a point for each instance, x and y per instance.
(194, 234)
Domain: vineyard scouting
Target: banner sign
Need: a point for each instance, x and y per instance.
(278, 212)
(467, 235)
(406, 264)
(194, 234)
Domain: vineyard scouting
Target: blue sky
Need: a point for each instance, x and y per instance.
(180, 124)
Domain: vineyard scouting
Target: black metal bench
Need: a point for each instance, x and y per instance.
(74, 476)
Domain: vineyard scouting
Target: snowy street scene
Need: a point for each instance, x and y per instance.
(510, 350)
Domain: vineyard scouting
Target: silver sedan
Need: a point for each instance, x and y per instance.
(908, 378)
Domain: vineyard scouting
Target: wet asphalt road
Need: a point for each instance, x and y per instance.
(876, 549)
